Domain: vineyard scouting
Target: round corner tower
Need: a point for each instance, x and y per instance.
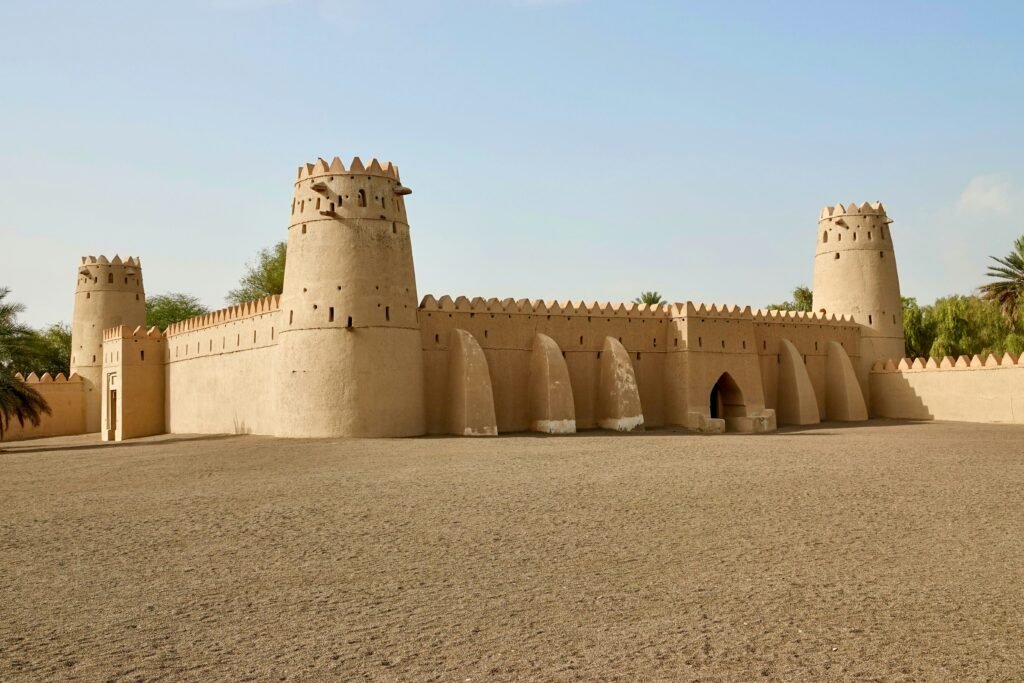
(855, 275)
(108, 293)
(350, 359)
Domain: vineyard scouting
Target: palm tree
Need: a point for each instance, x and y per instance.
(650, 298)
(803, 298)
(19, 401)
(1008, 290)
(15, 339)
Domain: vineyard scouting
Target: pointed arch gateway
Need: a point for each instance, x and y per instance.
(726, 401)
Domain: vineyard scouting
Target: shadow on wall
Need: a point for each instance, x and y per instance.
(241, 427)
(893, 397)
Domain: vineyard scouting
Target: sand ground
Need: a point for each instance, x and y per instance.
(885, 552)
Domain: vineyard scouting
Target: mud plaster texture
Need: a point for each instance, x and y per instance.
(883, 552)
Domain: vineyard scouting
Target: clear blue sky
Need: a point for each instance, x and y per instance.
(557, 149)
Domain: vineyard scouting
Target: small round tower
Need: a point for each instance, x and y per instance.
(350, 359)
(108, 293)
(855, 275)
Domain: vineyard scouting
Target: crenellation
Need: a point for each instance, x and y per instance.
(258, 307)
(349, 349)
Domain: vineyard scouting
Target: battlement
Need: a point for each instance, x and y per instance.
(131, 261)
(689, 309)
(865, 209)
(47, 378)
(336, 167)
(607, 309)
(541, 307)
(127, 332)
(773, 316)
(249, 309)
(98, 273)
(947, 363)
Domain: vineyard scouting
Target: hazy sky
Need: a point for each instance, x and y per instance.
(579, 149)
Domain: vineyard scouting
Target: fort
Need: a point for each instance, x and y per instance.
(349, 350)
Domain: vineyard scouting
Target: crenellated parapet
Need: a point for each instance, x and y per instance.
(337, 167)
(47, 378)
(948, 363)
(848, 227)
(328, 191)
(268, 304)
(811, 318)
(465, 304)
(100, 274)
(475, 305)
(126, 332)
(101, 260)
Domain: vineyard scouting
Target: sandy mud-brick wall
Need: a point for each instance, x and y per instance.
(964, 389)
(810, 334)
(220, 371)
(506, 330)
(66, 398)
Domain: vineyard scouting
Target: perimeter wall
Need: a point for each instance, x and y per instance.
(678, 352)
(962, 389)
(66, 397)
(220, 371)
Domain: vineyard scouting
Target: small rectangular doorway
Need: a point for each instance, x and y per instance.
(112, 416)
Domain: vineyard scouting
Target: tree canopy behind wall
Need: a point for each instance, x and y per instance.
(263, 277)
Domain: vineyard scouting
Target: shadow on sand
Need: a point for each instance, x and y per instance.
(14, 447)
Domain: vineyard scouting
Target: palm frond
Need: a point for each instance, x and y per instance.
(20, 402)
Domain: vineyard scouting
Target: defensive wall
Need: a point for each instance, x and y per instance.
(220, 370)
(678, 354)
(960, 389)
(346, 350)
(66, 398)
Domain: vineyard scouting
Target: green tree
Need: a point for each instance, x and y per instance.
(17, 345)
(919, 328)
(969, 325)
(53, 350)
(17, 341)
(802, 301)
(1008, 290)
(649, 298)
(263, 277)
(164, 310)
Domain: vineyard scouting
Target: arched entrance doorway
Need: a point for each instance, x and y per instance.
(726, 401)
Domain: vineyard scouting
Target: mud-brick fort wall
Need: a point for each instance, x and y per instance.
(66, 398)
(220, 370)
(962, 389)
(810, 334)
(678, 354)
(506, 331)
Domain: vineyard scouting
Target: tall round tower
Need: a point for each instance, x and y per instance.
(350, 359)
(108, 293)
(855, 275)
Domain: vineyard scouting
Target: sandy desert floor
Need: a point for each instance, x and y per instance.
(887, 552)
